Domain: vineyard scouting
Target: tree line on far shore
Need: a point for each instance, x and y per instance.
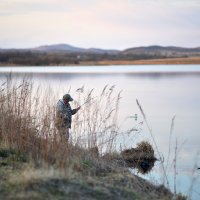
(34, 58)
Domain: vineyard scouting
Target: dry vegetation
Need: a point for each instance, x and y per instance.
(162, 61)
(62, 58)
(35, 163)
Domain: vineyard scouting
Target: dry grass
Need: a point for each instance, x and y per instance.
(165, 61)
(27, 124)
(142, 157)
(96, 123)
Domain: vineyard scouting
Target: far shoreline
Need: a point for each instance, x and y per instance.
(166, 61)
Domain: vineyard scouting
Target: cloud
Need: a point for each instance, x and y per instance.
(113, 23)
(13, 7)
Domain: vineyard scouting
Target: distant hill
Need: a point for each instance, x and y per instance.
(72, 49)
(165, 51)
(58, 47)
(143, 50)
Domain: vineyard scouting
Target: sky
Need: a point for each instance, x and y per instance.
(108, 24)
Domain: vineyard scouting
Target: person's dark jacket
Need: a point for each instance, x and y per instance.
(64, 114)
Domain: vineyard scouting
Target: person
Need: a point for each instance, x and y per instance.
(64, 114)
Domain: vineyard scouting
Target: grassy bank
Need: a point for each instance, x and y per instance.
(36, 163)
(20, 179)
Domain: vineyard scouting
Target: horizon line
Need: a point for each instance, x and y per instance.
(54, 44)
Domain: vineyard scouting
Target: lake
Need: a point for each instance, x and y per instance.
(164, 91)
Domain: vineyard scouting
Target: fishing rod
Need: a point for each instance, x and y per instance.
(134, 117)
(87, 101)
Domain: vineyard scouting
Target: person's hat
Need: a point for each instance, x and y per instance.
(67, 97)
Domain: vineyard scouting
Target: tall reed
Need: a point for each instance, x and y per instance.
(96, 123)
(27, 123)
(154, 142)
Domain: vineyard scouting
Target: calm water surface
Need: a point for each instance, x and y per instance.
(164, 91)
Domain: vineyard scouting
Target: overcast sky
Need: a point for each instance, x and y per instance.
(106, 24)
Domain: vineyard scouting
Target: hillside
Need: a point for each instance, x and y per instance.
(165, 51)
(57, 48)
(63, 48)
